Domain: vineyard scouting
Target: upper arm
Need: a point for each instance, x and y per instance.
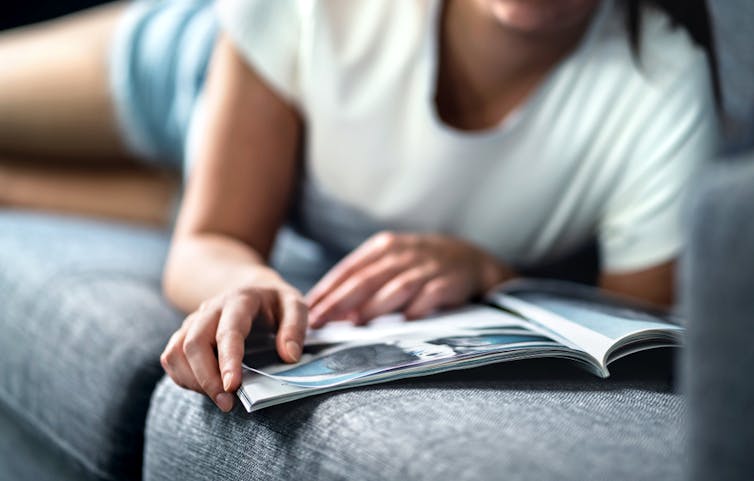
(245, 164)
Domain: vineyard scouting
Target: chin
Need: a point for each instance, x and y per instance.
(540, 16)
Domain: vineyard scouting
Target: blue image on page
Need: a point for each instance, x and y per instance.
(357, 361)
(613, 322)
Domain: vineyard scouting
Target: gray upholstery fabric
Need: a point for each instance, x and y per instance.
(733, 26)
(82, 323)
(529, 420)
(26, 454)
(718, 291)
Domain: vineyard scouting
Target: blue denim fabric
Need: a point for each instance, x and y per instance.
(158, 64)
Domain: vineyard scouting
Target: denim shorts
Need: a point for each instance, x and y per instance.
(158, 63)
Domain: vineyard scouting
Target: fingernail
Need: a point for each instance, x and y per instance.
(226, 381)
(224, 401)
(294, 349)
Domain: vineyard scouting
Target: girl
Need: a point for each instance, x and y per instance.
(438, 147)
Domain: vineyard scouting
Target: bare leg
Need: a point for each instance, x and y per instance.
(130, 194)
(54, 92)
(59, 143)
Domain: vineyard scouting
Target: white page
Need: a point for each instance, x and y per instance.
(474, 316)
(590, 319)
(613, 323)
(570, 333)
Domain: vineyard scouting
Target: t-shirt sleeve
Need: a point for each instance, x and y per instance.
(641, 224)
(267, 33)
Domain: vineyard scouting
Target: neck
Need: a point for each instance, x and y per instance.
(486, 66)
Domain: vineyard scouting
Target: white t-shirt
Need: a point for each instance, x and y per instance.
(604, 147)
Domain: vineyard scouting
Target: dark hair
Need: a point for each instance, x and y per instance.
(693, 15)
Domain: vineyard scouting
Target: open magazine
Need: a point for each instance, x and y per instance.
(522, 319)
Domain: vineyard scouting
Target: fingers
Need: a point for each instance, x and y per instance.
(176, 358)
(198, 348)
(368, 252)
(292, 328)
(438, 293)
(357, 290)
(190, 359)
(397, 292)
(391, 271)
(225, 322)
(176, 366)
(232, 329)
(418, 272)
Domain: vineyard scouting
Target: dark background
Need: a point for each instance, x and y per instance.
(16, 12)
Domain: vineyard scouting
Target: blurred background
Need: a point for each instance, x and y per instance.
(733, 24)
(18, 12)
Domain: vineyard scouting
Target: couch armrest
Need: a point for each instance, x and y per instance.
(718, 298)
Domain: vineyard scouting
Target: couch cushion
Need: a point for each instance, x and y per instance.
(83, 324)
(524, 420)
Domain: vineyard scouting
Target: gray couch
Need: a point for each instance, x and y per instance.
(82, 394)
(718, 288)
(81, 308)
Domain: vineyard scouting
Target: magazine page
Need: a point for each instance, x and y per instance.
(596, 322)
(259, 391)
(474, 315)
(341, 355)
(332, 356)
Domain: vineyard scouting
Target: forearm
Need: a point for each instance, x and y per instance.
(654, 285)
(201, 266)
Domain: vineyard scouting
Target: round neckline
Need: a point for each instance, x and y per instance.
(516, 115)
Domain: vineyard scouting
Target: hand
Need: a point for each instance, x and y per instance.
(224, 322)
(416, 273)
